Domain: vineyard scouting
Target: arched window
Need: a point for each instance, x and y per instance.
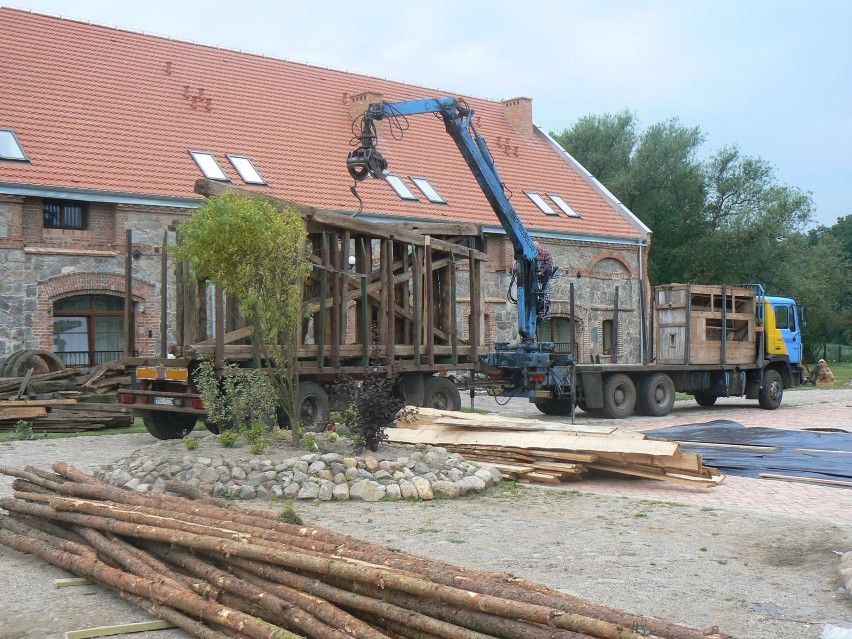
(558, 331)
(88, 329)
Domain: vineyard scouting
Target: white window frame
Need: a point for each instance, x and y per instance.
(560, 201)
(248, 179)
(16, 142)
(543, 206)
(195, 155)
(400, 187)
(429, 191)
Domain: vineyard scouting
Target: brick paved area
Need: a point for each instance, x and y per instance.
(801, 409)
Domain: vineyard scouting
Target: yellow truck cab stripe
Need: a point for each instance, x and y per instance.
(775, 344)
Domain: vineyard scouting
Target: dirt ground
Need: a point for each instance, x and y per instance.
(754, 574)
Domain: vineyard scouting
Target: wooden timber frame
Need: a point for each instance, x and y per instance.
(393, 306)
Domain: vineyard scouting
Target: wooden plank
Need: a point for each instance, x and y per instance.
(389, 300)
(72, 581)
(119, 629)
(671, 478)
(231, 337)
(337, 298)
(417, 293)
(810, 480)
(36, 402)
(474, 271)
(24, 384)
(21, 412)
(490, 420)
(430, 304)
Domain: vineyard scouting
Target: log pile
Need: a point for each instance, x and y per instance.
(531, 450)
(66, 400)
(221, 572)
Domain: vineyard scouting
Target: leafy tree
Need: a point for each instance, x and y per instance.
(258, 253)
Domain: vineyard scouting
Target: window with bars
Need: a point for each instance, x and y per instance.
(59, 214)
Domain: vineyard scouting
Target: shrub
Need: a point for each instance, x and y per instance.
(234, 396)
(331, 436)
(24, 430)
(258, 446)
(227, 438)
(310, 442)
(190, 442)
(374, 405)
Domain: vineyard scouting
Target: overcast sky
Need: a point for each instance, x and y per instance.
(774, 77)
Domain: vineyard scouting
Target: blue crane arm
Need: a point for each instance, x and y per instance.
(458, 120)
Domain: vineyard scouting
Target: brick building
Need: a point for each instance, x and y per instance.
(104, 131)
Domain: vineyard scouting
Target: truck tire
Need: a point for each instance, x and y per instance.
(441, 393)
(705, 399)
(553, 407)
(772, 390)
(314, 411)
(164, 425)
(656, 395)
(619, 396)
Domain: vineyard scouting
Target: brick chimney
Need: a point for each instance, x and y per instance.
(518, 112)
(358, 103)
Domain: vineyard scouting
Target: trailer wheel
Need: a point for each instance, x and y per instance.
(619, 396)
(656, 395)
(212, 427)
(164, 425)
(772, 390)
(705, 399)
(314, 411)
(441, 393)
(553, 407)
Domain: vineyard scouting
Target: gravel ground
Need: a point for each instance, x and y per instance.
(755, 575)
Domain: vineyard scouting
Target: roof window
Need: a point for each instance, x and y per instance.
(400, 187)
(428, 190)
(540, 203)
(209, 165)
(246, 169)
(10, 148)
(559, 201)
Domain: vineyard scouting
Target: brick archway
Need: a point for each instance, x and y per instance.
(611, 255)
(73, 284)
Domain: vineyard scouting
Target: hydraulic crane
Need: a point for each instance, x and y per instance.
(366, 161)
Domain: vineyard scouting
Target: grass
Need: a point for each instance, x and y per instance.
(842, 373)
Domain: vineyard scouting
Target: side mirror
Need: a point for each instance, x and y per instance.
(803, 313)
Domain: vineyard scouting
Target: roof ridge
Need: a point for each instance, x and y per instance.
(242, 52)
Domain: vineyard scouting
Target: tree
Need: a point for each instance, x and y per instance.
(258, 253)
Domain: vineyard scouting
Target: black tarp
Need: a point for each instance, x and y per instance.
(756, 450)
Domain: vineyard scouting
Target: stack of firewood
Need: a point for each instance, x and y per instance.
(215, 571)
(65, 400)
(532, 450)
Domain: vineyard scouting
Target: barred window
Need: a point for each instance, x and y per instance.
(59, 214)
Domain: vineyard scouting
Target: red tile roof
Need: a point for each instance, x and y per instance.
(104, 109)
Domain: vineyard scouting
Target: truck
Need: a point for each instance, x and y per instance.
(385, 298)
(709, 341)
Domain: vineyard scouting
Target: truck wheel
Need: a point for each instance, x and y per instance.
(553, 407)
(163, 425)
(656, 395)
(705, 399)
(314, 411)
(441, 393)
(772, 391)
(619, 396)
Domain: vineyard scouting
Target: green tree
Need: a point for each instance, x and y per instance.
(258, 253)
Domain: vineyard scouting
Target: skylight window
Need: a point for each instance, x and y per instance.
(428, 190)
(559, 201)
(400, 187)
(209, 166)
(540, 203)
(245, 168)
(10, 148)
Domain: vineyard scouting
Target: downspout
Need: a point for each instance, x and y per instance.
(642, 319)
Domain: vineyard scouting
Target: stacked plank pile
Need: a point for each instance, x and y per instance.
(531, 450)
(65, 400)
(218, 572)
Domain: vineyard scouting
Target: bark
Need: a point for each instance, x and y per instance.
(187, 624)
(289, 612)
(45, 474)
(21, 528)
(190, 492)
(159, 593)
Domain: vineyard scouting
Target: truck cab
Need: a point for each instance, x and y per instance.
(782, 328)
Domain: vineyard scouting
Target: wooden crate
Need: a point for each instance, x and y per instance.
(691, 320)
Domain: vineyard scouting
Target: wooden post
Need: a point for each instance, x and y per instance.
(430, 303)
(164, 297)
(474, 267)
(724, 345)
(453, 307)
(128, 296)
(219, 327)
(389, 298)
(615, 329)
(336, 298)
(417, 291)
(345, 280)
(688, 336)
(320, 330)
(652, 332)
(573, 327)
(364, 267)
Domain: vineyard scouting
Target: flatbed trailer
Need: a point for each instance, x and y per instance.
(385, 295)
(709, 341)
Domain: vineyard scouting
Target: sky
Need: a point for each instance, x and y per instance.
(773, 77)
